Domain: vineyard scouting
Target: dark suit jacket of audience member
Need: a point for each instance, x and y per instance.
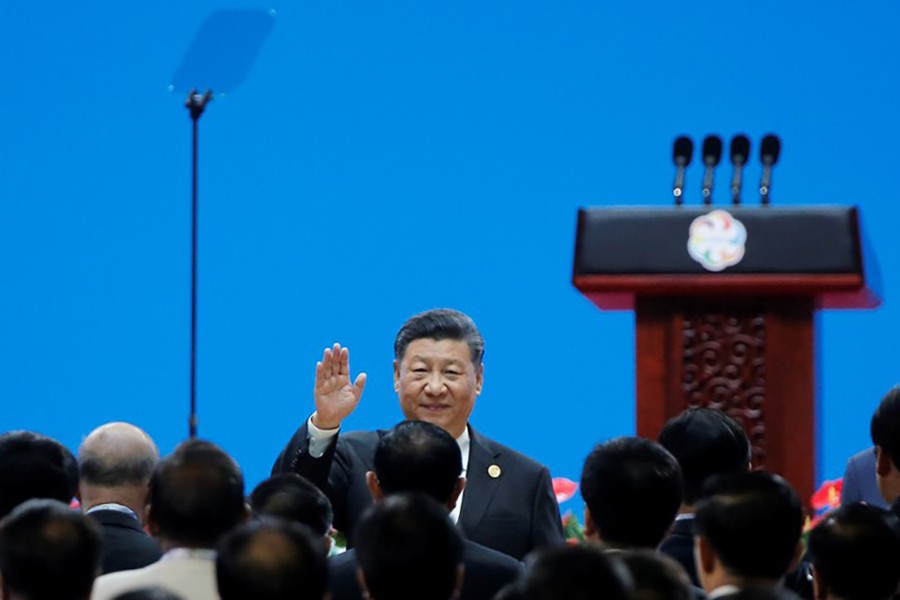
(513, 511)
(680, 546)
(125, 543)
(859, 480)
(486, 572)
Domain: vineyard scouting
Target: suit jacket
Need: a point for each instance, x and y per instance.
(191, 577)
(486, 572)
(859, 480)
(680, 546)
(125, 544)
(513, 513)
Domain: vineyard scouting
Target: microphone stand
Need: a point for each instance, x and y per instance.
(196, 104)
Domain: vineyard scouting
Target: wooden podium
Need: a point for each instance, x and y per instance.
(733, 328)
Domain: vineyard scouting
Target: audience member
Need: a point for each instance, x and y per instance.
(508, 504)
(855, 552)
(632, 490)
(115, 463)
(860, 483)
(272, 559)
(196, 496)
(34, 466)
(293, 498)
(48, 552)
(409, 549)
(748, 529)
(149, 593)
(576, 573)
(418, 457)
(705, 442)
(886, 437)
(657, 576)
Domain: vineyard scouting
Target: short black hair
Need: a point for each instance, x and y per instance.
(705, 442)
(416, 456)
(196, 494)
(657, 576)
(885, 427)
(408, 549)
(148, 593)
(856, 552)
(753, 522)
(294, 498)
(272, 559)
(576, 573)
(49, 551)
(441, 324)
(34, 466)
(632, 486)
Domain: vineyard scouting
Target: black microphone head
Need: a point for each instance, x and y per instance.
(682, 151)
(740, 149)
(712, 150)
(769, 149)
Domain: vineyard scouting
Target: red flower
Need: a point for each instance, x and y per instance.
(564, 489)
(828, 495)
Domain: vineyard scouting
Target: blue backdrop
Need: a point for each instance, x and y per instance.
(386, 158)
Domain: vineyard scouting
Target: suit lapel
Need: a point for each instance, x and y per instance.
(480, 486)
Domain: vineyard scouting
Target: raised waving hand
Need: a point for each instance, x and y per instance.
(335, 396)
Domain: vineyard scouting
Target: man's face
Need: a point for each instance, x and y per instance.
(437, 382)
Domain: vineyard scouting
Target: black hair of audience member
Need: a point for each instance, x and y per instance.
(705, 442)
(150, 593)
(416, 456)
(34, 466)
(885, 425)
(855, 552)
(632, 489)
(582, 572)
(408, 549)
(196, 495)
(657, 576)
(753, 522)
(272, 559)
(440, 324)
(293, 498)
(48, 552)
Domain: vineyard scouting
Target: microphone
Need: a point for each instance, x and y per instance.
(712, 153)
(740, 152)
(682, 151)
(768, 155)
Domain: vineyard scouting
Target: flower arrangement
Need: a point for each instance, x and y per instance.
(565, 490)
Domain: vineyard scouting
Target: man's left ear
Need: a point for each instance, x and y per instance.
(479, 378)
(150, 522)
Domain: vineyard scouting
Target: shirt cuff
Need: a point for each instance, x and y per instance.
(319, 439)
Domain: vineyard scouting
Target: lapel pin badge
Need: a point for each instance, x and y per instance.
(494, 471)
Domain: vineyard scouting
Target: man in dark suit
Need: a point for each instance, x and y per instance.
(116, 462)
(508, 503)
(418, 457)
(860, 484)
(706, 442)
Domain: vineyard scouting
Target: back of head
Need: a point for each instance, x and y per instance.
(416, 456)
(752, 521)
(149, 593)
(705, 442)
(408, 549)
(885, 426)
(34, 466)
(577, 573)
(196, 495)
(856, 553)
(48, 551)
(657, 576)
(272, 559)
(632, 488)
(293, 498)
(117, 454)
(441, 324)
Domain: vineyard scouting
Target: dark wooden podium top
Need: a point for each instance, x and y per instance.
(815, 251)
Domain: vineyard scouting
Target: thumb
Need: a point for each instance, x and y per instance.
(358, 385)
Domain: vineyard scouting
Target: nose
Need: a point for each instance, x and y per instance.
(435, 384)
